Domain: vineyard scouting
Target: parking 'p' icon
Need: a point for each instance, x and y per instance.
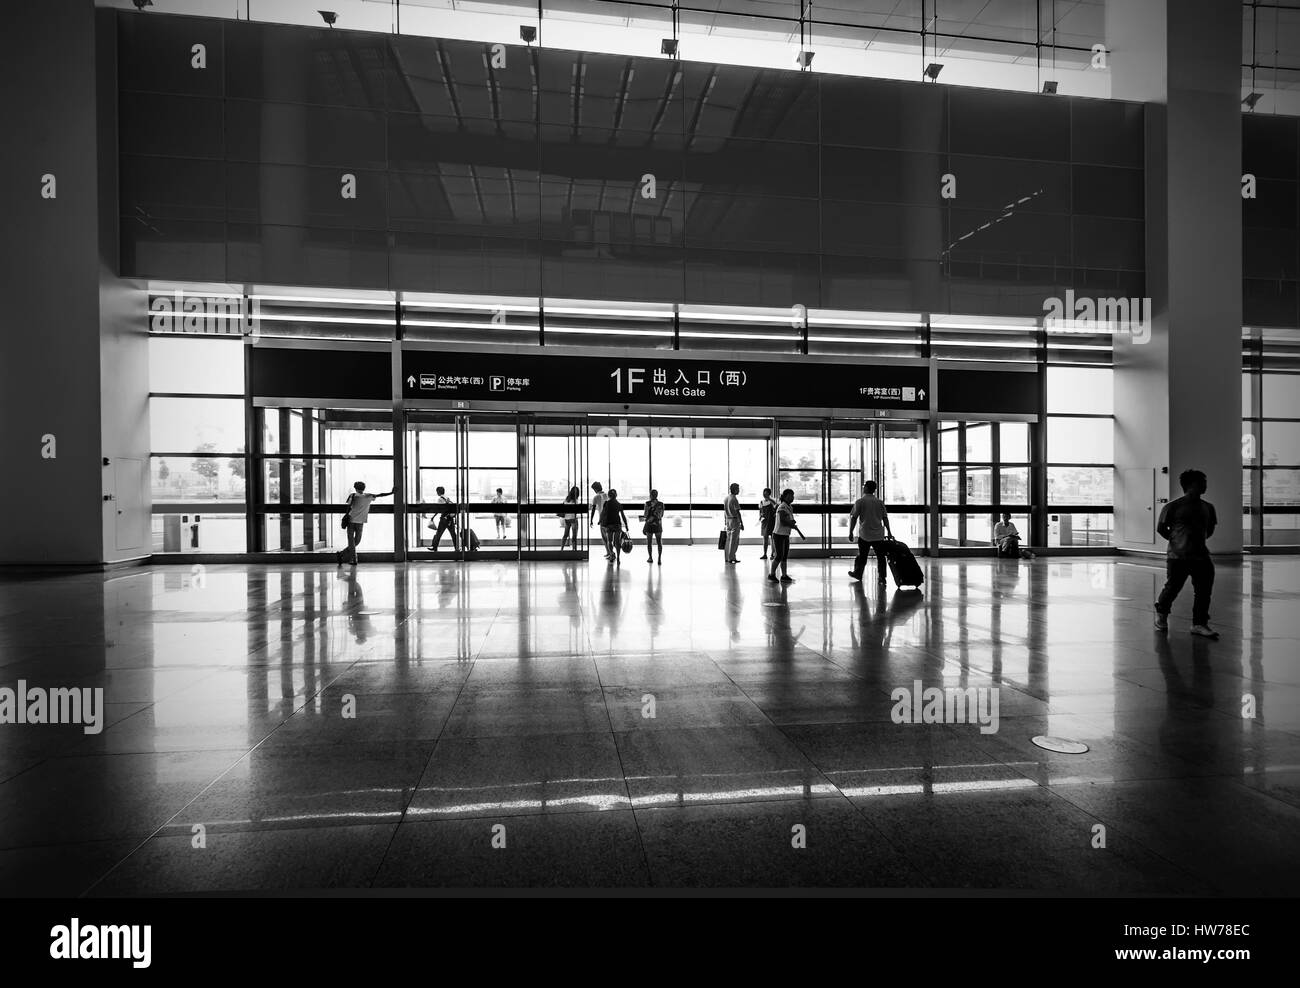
(497, 383)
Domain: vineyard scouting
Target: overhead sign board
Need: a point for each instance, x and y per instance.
(653, 378)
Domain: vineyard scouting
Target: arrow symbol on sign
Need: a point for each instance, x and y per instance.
(920, 394)
(410, 381)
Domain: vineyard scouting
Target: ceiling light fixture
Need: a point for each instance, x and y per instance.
(328, 16)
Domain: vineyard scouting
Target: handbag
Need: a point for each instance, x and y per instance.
(343, 522)
(625, 543)
(722, 539)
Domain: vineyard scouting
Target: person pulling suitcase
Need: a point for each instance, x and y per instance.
(902, 564)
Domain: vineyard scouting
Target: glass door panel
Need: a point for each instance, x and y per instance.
(555, 462)
(431, 462)
(801, 467)
(491, 482)
(901, 472)
(670, 474)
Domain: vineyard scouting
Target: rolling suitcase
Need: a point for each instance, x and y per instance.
(903, 565)
(472, 542)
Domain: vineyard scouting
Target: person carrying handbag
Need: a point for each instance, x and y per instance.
(613, 523)
(733, 525)
(446, 521)
(354, 519)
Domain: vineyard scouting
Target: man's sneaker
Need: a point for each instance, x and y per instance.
(1162, 621)
(772, 577)
(787, 579)
(854, 576)
(1205, 631)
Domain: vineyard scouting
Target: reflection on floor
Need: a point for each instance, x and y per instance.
(501, 730)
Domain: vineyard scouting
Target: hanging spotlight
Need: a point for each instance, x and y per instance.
(328, 16)
(527, 33)
(668, 47)
(1049, 87)
(804, 60)
(141, 4)
(1251, 99)
(932, 70)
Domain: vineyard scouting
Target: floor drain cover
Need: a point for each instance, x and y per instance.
(1064, 745)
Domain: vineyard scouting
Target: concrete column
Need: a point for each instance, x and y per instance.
(61, 377)
(1178, 395)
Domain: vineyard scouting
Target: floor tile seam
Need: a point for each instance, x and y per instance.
(1131, 835)
(168, 822)
(627, 790)
(383, 858)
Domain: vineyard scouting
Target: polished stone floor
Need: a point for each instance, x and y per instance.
(500, 733)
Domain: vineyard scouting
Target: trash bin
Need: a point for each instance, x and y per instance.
(171, 533)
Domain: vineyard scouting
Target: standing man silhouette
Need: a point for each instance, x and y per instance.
(1187, 522)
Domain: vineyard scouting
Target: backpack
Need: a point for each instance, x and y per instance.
(609, 515)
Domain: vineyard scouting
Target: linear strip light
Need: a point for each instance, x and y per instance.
(689, 315)
(788, 338)
(188, 295)
(993, 360)
(272, 317)
(987, 343)
(890, 341)
(197, 315)
(612, 331)
(407, 303)
(916, 323)
(445, 324)
(629, 313)
(341, 302)
(1006, 327)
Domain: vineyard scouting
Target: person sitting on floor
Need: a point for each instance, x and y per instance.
(1007, 539)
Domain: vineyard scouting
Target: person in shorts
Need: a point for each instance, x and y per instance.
(358, 511)
(653, 529)
(766, 519)
(498, 514)
(613, 523)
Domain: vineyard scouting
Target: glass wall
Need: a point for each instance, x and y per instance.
(1270, 445)
(691, 462)
(827, 469)
(984, 470)
(197, 466)
(1080, 455)
(308, 461)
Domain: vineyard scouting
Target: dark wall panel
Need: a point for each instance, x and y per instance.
(1271, 220)
(988, 392)
(770, 186)
(306, 373)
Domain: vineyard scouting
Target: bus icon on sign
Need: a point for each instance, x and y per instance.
(429, 382)
(497, 383)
